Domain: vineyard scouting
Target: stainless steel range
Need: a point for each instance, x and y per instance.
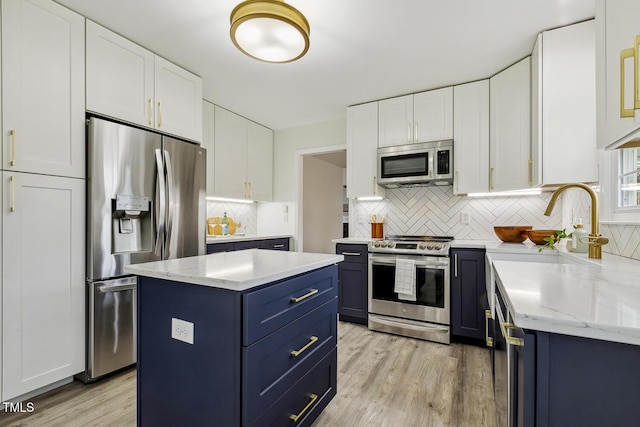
(426, 313)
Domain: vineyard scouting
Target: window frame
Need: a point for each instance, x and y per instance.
(609, 161)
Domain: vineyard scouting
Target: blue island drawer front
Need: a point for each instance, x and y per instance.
(273, 364)
(306, 399)
(268, 309)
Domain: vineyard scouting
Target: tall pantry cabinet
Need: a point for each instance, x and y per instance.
(43, 196)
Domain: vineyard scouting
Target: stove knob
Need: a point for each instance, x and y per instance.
(376, 244)
(430, 246)
(390, 245)
(437, 246)
(422, 246)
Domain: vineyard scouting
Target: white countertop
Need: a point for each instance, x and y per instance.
(354, 240)
(597, 299)
(238, 270)
(235, 238)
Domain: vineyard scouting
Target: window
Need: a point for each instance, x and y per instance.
(629, 179)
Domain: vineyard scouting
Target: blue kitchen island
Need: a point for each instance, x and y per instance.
(236, 339)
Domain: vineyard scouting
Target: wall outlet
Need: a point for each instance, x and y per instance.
(465, 217)
(182, 330)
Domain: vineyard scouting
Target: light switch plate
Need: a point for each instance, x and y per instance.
(182, 330)
(465, 217)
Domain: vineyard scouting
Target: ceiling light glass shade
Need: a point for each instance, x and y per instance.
(269, 30)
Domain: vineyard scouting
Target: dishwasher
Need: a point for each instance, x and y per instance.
(111, 332)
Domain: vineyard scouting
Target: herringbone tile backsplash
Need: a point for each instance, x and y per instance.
(436, 211)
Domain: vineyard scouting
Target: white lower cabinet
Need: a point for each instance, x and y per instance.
(43, 281)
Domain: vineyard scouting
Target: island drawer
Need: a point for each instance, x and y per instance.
(302, 404)
(268, 309)
(273, 364)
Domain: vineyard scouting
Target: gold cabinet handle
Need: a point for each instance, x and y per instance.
(13, 147)
(415, 134)
(505, 328)
(409, 132)
(150, 112)
(278, 246)
(488, 339)
(250, 189)
(159, 115)
(491, 178)
(296, 353)
(12, 192)
(530, 172)
(305, 296)
(374, 186)
(626, 54)
(313, 398)
(636, 72)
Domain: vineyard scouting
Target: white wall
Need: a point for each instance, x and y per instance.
(321, 204)
(277, 219)
(285, 144)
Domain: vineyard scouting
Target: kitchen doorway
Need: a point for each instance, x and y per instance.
(321, 196)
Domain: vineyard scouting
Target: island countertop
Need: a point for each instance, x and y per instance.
(586, 300)
(238, 270)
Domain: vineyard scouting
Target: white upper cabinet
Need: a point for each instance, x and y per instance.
(471, 138)
(119, 77)
(433, 115)
(563, 103)
(208, 142)
(178, 103)
(362, 150)
(395, 121)
(43, 88)
(43, 294)
(130, 83)
(422, 117)
(510, 128)
(259, 162)
(243, 158)
(618, 79)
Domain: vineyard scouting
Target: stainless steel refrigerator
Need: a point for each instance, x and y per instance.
(145, 202)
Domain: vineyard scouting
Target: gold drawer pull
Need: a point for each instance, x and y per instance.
(296, 353)
(305, 296)
(487, 316)
(150, 112)
(159, 115)
(505, 327)
(278, 246)
(295, 418)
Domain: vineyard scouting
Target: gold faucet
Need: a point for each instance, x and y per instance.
(595, 239)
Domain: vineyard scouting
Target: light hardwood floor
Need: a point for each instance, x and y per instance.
(383, 380)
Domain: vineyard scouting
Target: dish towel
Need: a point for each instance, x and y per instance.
(405, 285)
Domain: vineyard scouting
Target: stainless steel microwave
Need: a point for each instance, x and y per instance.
(428, 163)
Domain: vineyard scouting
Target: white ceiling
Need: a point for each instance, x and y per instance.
(361, 50)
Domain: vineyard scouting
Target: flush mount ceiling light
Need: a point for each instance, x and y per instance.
(269, 30)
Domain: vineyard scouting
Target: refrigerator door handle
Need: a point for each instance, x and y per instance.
(160, 202)
(170, 198)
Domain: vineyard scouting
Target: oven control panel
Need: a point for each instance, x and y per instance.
(389, 246)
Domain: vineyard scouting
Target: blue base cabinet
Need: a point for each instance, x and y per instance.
(468, 294)
(258, 357)
(564, 380)
(279, 244)
(353, 283)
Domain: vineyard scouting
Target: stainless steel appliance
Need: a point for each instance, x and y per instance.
(428, 163)
(145, 202)
(426, 318)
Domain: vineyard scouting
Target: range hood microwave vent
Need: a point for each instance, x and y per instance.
(416, 165)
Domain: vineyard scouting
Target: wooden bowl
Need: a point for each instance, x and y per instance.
(538, 236)
(512, 233)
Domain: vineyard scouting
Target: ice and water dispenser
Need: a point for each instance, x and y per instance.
(132, 224)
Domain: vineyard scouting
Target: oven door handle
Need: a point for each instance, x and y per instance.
(392, 261)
